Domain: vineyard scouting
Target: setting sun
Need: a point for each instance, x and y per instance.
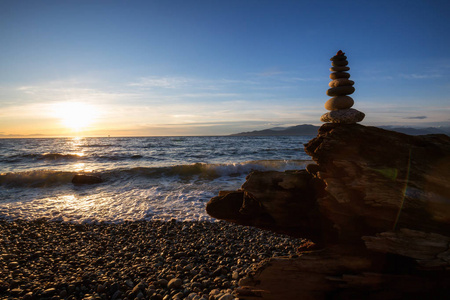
(75, 115)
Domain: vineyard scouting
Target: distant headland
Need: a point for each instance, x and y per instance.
(308, 129)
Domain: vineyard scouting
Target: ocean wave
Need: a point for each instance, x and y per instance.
(36, 178)
(205, 171)
(97, 145)
(72, 157)
(44, 156)
(58, 156)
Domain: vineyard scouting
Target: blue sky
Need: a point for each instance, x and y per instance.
(216, 67)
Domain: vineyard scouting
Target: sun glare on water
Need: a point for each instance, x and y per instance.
(75, 115)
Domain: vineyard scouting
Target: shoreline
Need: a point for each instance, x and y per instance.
(199, 260)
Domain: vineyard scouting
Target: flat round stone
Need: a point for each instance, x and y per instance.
(343, 116)
(339, 102)
(339, 63)
(341, 82)
(339, 69)
(340, 91)
(337, 75)
(338, 57)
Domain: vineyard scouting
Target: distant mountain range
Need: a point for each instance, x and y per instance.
(307, 129)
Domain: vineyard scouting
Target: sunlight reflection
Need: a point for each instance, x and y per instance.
(74, 203)
(80, 154)
(77, 140)
(80, 167)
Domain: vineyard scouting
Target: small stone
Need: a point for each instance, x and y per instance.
(16, 291)
(100, 288)
(341, 82)
(162, 282)
(136, 289)
(129, 283)
(343, 116)
(226, 297)
(192, 295)
(235, 275)
(179, 295)
(7, 256)
(179, 254)
(340, 91)
(13, 265)
(116, 295)
(175, 283)
(339, 63)
(219, 271)
(339, 102)
(337, 75)
(49, 291)
(339, 69)
(338, 57)
(63, 293)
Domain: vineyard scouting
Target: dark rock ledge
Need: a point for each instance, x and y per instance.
(376, 207)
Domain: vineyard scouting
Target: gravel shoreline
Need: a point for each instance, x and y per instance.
(131, 260)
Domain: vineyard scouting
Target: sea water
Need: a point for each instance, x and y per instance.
(144, 178)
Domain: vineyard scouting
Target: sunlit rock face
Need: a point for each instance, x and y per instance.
(378, 180)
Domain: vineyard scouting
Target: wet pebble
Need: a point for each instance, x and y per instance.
(131, 260)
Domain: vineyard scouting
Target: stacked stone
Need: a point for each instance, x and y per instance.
(340, 87)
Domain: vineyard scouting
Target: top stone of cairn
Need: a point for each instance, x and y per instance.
(340, 87)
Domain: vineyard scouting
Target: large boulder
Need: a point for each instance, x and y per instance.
(377, 206)
(279, 201)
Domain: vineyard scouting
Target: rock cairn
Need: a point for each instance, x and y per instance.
(339, 106)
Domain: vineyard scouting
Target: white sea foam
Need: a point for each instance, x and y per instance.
(177, 186)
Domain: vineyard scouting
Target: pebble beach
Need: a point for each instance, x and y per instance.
(131, 260)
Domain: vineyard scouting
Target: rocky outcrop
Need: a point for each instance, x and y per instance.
(376, 205)
(378, 180)
(283, 202)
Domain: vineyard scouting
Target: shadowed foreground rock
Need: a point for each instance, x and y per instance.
(376, 205)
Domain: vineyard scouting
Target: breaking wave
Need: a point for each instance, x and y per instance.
(50, 178)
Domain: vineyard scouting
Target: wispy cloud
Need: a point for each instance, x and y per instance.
(65, 91)
(416, 118)
(420, 76)
(161, 82)
(269, 73)
(303, 79)
(208, 95)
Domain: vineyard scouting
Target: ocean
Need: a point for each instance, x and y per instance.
(144, 178)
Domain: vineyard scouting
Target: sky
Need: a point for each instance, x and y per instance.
(152, 68)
